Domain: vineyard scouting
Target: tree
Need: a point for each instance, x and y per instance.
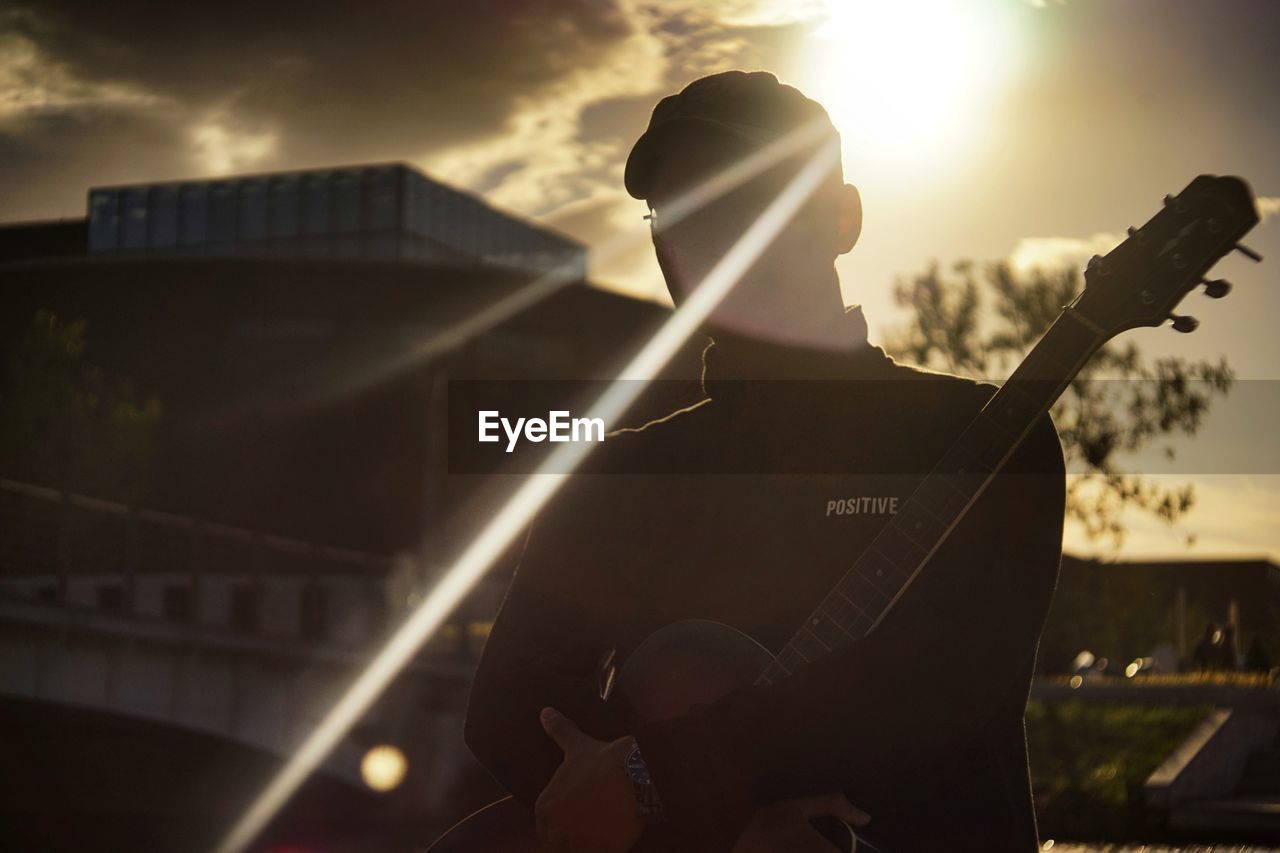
(951, 329)
(67, 424)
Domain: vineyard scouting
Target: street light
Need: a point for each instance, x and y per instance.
(383, 767)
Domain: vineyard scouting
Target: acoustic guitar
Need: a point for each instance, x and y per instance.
(1138, 283)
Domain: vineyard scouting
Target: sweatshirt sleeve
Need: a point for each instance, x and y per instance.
(544, 649)
(954, 650)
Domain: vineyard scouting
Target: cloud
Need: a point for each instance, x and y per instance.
(548, 162)
(31, 83)
(763, 13)
(561, 152)
(269, 85)
(533, 103)
(1234, 517)
(223, 147)
(1057, 252)
(582, 126)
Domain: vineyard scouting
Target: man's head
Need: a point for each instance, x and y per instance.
(718, 121)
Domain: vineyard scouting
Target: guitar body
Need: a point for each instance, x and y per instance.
(677, 667)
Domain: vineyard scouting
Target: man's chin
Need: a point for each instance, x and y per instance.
(754, 282)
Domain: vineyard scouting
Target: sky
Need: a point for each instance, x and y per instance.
(1029, 130)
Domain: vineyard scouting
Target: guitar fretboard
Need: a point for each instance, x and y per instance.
(904, 546)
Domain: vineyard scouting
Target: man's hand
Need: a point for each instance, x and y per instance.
(785, 826)
(589, 806)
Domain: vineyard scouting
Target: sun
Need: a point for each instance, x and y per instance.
(907, 80)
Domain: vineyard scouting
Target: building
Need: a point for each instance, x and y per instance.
(379, 212)
(276, 337)
(300, 332)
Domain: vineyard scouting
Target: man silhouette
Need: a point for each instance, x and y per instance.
(746, 509)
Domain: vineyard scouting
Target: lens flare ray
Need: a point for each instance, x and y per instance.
(339, 382)
(529, 497)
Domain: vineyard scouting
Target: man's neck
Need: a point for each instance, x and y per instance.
(807, 314)
(736, 355)
(833, 335)
(841, 329)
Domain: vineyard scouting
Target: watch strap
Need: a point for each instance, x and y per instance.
(646, 792)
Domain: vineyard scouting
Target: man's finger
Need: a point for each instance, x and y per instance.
(561, 729)
(835, 805)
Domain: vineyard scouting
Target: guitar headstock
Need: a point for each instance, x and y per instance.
(1141, 281)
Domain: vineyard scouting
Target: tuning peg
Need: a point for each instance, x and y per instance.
(1183, 323)
(1216, 288)
(1131, 230)
(1247, 252)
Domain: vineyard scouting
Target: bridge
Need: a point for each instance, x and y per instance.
(223, 632)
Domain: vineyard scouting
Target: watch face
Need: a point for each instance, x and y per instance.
(635, 767)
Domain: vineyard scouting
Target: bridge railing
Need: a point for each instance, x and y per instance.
(74, 551)
(52, 531)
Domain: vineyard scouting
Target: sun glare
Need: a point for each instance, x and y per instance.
(906, 81)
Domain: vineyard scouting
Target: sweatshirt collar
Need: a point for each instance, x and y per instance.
(733, 356)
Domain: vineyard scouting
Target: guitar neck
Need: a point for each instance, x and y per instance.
(904, 546)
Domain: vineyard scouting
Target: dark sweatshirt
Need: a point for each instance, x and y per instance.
(746, 509)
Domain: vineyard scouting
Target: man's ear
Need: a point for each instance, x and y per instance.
(848, 218)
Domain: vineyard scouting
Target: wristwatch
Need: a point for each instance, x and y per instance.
(646, 794)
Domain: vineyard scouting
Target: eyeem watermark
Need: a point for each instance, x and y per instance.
(559, 426)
